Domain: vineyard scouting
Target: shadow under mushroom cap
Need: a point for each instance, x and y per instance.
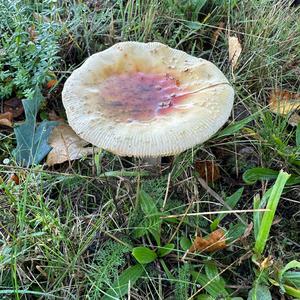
(146, 100)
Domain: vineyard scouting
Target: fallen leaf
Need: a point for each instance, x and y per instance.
(217, 32)
(66, 146)
(294, 119)
(51, 83)
(234, 49)
(6, 119)
(213, 242)
(207, 170)
(283, 102)
(15, 106)
(15, 179)
(32, 33)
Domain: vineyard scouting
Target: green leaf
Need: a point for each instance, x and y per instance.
(125, 281)
(268, 216)
(235, 127)
(32, 139)
(255, 174)
(213, 287)
(259, 292)
(235, 231)
(231, 202)
(152, 216)
(185, 243)
(294, 264)
(292, 278)
(298, 135)
(144, 255)
(257, 216)
(165, 250)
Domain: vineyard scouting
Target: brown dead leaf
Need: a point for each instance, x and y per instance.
(51, 83)
(294, 119)
(15, 106)
(234, 49)
(66, 146)
(6, 119)
(283, 102)
(213, 242)
(32, 33)
(217, 32)
(207, 170)
(15, 178)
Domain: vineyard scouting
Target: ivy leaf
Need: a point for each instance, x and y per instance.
(32, 139)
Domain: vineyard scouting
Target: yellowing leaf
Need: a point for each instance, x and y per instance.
(66, 146)
(6, 119)
(283, 102)
(213, 242)
(234, 49)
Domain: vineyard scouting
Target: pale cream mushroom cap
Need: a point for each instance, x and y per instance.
(146, 100)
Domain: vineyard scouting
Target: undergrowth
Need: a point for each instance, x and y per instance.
(75, 231)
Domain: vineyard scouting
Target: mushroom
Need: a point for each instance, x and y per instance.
(146, 100)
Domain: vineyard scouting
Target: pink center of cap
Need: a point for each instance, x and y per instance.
(139, 96)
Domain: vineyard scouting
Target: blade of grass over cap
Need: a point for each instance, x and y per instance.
(268, 216)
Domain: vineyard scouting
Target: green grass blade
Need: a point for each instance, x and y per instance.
(268, 216)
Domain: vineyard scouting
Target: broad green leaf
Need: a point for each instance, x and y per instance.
(294, 264)
(292, 278)
(268, 216)
(212, 273)
(185, 243)
(152, 216)
(144, 255)
(298, 135)
(259, 292)
(255, 174)
(32, 139)
(231, 202)
(235, 231)
(213, 287)
(165, 250)
(124, 282)
(294, 292)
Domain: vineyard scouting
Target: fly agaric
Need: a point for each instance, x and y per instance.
(146, 100)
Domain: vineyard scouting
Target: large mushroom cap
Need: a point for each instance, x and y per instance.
(146, 100)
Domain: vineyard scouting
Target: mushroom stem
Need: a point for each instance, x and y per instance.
(152, 161)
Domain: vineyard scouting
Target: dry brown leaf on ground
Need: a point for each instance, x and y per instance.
(51, 83)
(217, 32)
(13, 105)
(294, 119)
(283, 102)
(213, 242)
(6, 119)
(234, 49)
(66, 146)
(208, 170)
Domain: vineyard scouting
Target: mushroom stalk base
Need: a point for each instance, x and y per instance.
(152, 161)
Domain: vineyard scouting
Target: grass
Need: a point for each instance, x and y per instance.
(68, 232)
